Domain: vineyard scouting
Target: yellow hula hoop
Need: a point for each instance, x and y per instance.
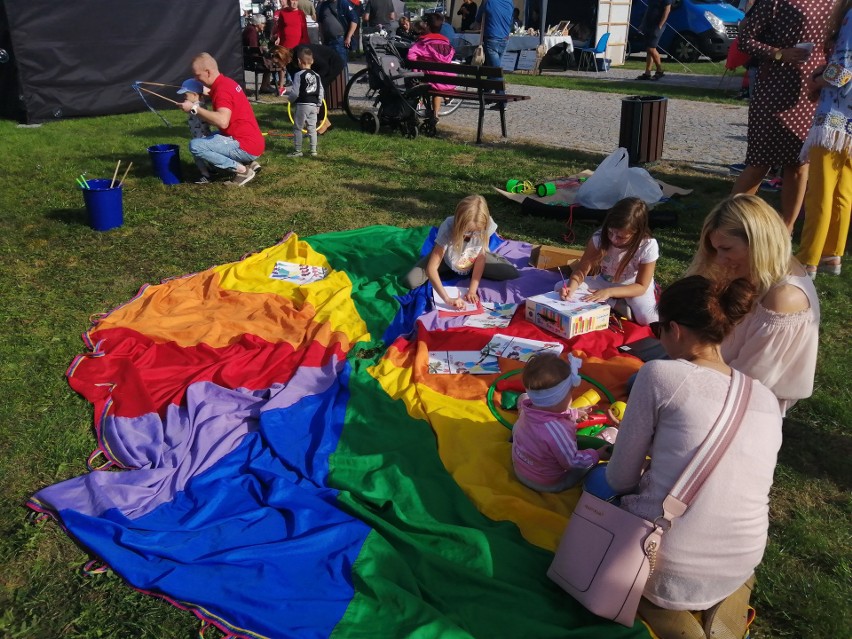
(319, 124)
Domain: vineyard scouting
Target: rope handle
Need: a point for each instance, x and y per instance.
(94, 455)
(94, 567)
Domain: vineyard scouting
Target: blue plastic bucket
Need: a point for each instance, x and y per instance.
(103, 204)
(165, 158)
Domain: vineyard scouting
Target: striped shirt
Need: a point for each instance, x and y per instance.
(544, 445)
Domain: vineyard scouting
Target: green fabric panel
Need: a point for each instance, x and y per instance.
(434, 567)
(375, 280)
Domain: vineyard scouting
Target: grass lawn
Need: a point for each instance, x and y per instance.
(57, 272)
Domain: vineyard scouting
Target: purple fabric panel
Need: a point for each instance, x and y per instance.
(193, 438)
(533, 281)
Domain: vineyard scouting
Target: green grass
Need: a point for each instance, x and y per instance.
(56, 273)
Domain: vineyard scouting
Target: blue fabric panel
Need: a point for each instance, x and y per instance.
(239, 540)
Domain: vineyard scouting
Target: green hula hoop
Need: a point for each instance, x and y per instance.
(489, 400)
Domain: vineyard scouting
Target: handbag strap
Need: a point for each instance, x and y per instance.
(712, 449)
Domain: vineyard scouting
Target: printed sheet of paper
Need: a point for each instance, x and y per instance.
(576, 304)
(462, 362)
(298, 273)
(520, 348)
(445, 310)
(494, 315)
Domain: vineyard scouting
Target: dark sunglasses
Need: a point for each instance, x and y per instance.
(657, 328)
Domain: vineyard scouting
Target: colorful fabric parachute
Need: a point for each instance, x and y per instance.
(281, 471)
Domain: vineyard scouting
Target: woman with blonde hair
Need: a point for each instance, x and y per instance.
(829, 149)
(776, 343)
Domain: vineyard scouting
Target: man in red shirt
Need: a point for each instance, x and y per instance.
(239, 142)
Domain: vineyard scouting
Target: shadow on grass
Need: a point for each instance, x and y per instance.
(74, 217)
(806, 452)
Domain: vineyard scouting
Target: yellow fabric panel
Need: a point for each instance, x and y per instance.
(331, 297)
(475, 450)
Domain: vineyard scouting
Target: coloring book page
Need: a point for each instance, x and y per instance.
(445, 310)
(520, 348)
(462, 362)
(494, 315)
(298, 273)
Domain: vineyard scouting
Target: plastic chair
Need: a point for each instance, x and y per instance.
(593, 52)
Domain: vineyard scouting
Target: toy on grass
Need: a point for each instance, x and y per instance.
(520, 186)
(320, 120)
(549, 188)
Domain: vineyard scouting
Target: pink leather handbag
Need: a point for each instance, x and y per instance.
(607, 554)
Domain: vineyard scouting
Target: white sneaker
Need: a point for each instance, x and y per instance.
(295, 154)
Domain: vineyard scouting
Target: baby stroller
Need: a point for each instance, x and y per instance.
(384, 94)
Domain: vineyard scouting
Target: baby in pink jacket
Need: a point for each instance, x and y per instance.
(544, 439)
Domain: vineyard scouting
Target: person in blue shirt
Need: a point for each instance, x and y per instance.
(495, 16)
(447, 31)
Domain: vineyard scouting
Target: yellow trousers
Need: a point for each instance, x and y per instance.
(828, 203)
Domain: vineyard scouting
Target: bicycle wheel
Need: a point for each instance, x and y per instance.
(358, 97)
(448, 106)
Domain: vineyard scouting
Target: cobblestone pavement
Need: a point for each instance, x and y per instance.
(696, 132)
(702, 133)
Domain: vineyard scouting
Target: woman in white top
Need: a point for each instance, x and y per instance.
(709, 554)
(618, 263)
(777, 342)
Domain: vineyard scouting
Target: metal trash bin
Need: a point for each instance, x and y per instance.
(643, 127)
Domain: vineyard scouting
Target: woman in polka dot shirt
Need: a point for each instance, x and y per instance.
(780, 112)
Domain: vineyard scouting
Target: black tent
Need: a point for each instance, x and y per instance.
(68, 59)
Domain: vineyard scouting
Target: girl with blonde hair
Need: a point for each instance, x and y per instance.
(461, 248)
(828, 147)
(776, 342)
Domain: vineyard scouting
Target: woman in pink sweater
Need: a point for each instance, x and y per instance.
(707, 558)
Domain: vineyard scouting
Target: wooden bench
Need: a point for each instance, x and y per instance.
(474, 83)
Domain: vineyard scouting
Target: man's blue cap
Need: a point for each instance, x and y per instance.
(191, 84)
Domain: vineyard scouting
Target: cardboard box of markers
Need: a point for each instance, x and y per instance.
(566, 318)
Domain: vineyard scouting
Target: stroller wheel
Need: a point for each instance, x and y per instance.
(409, 129)
(428, 128)
(369, 122)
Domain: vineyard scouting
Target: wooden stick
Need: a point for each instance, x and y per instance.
(118, 164)
(160, 96)
(158, 84)
(125, 174)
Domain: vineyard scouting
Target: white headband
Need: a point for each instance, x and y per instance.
(553, 395)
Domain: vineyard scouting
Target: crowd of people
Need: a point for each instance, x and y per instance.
(745, 303)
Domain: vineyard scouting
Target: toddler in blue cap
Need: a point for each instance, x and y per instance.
(193, 91)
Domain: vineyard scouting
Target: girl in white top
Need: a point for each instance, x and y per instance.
(625, 256)
(461, 247)
(776, 343)
(712, 549)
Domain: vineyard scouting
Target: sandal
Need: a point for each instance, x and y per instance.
(658, 75)
(644, 76)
